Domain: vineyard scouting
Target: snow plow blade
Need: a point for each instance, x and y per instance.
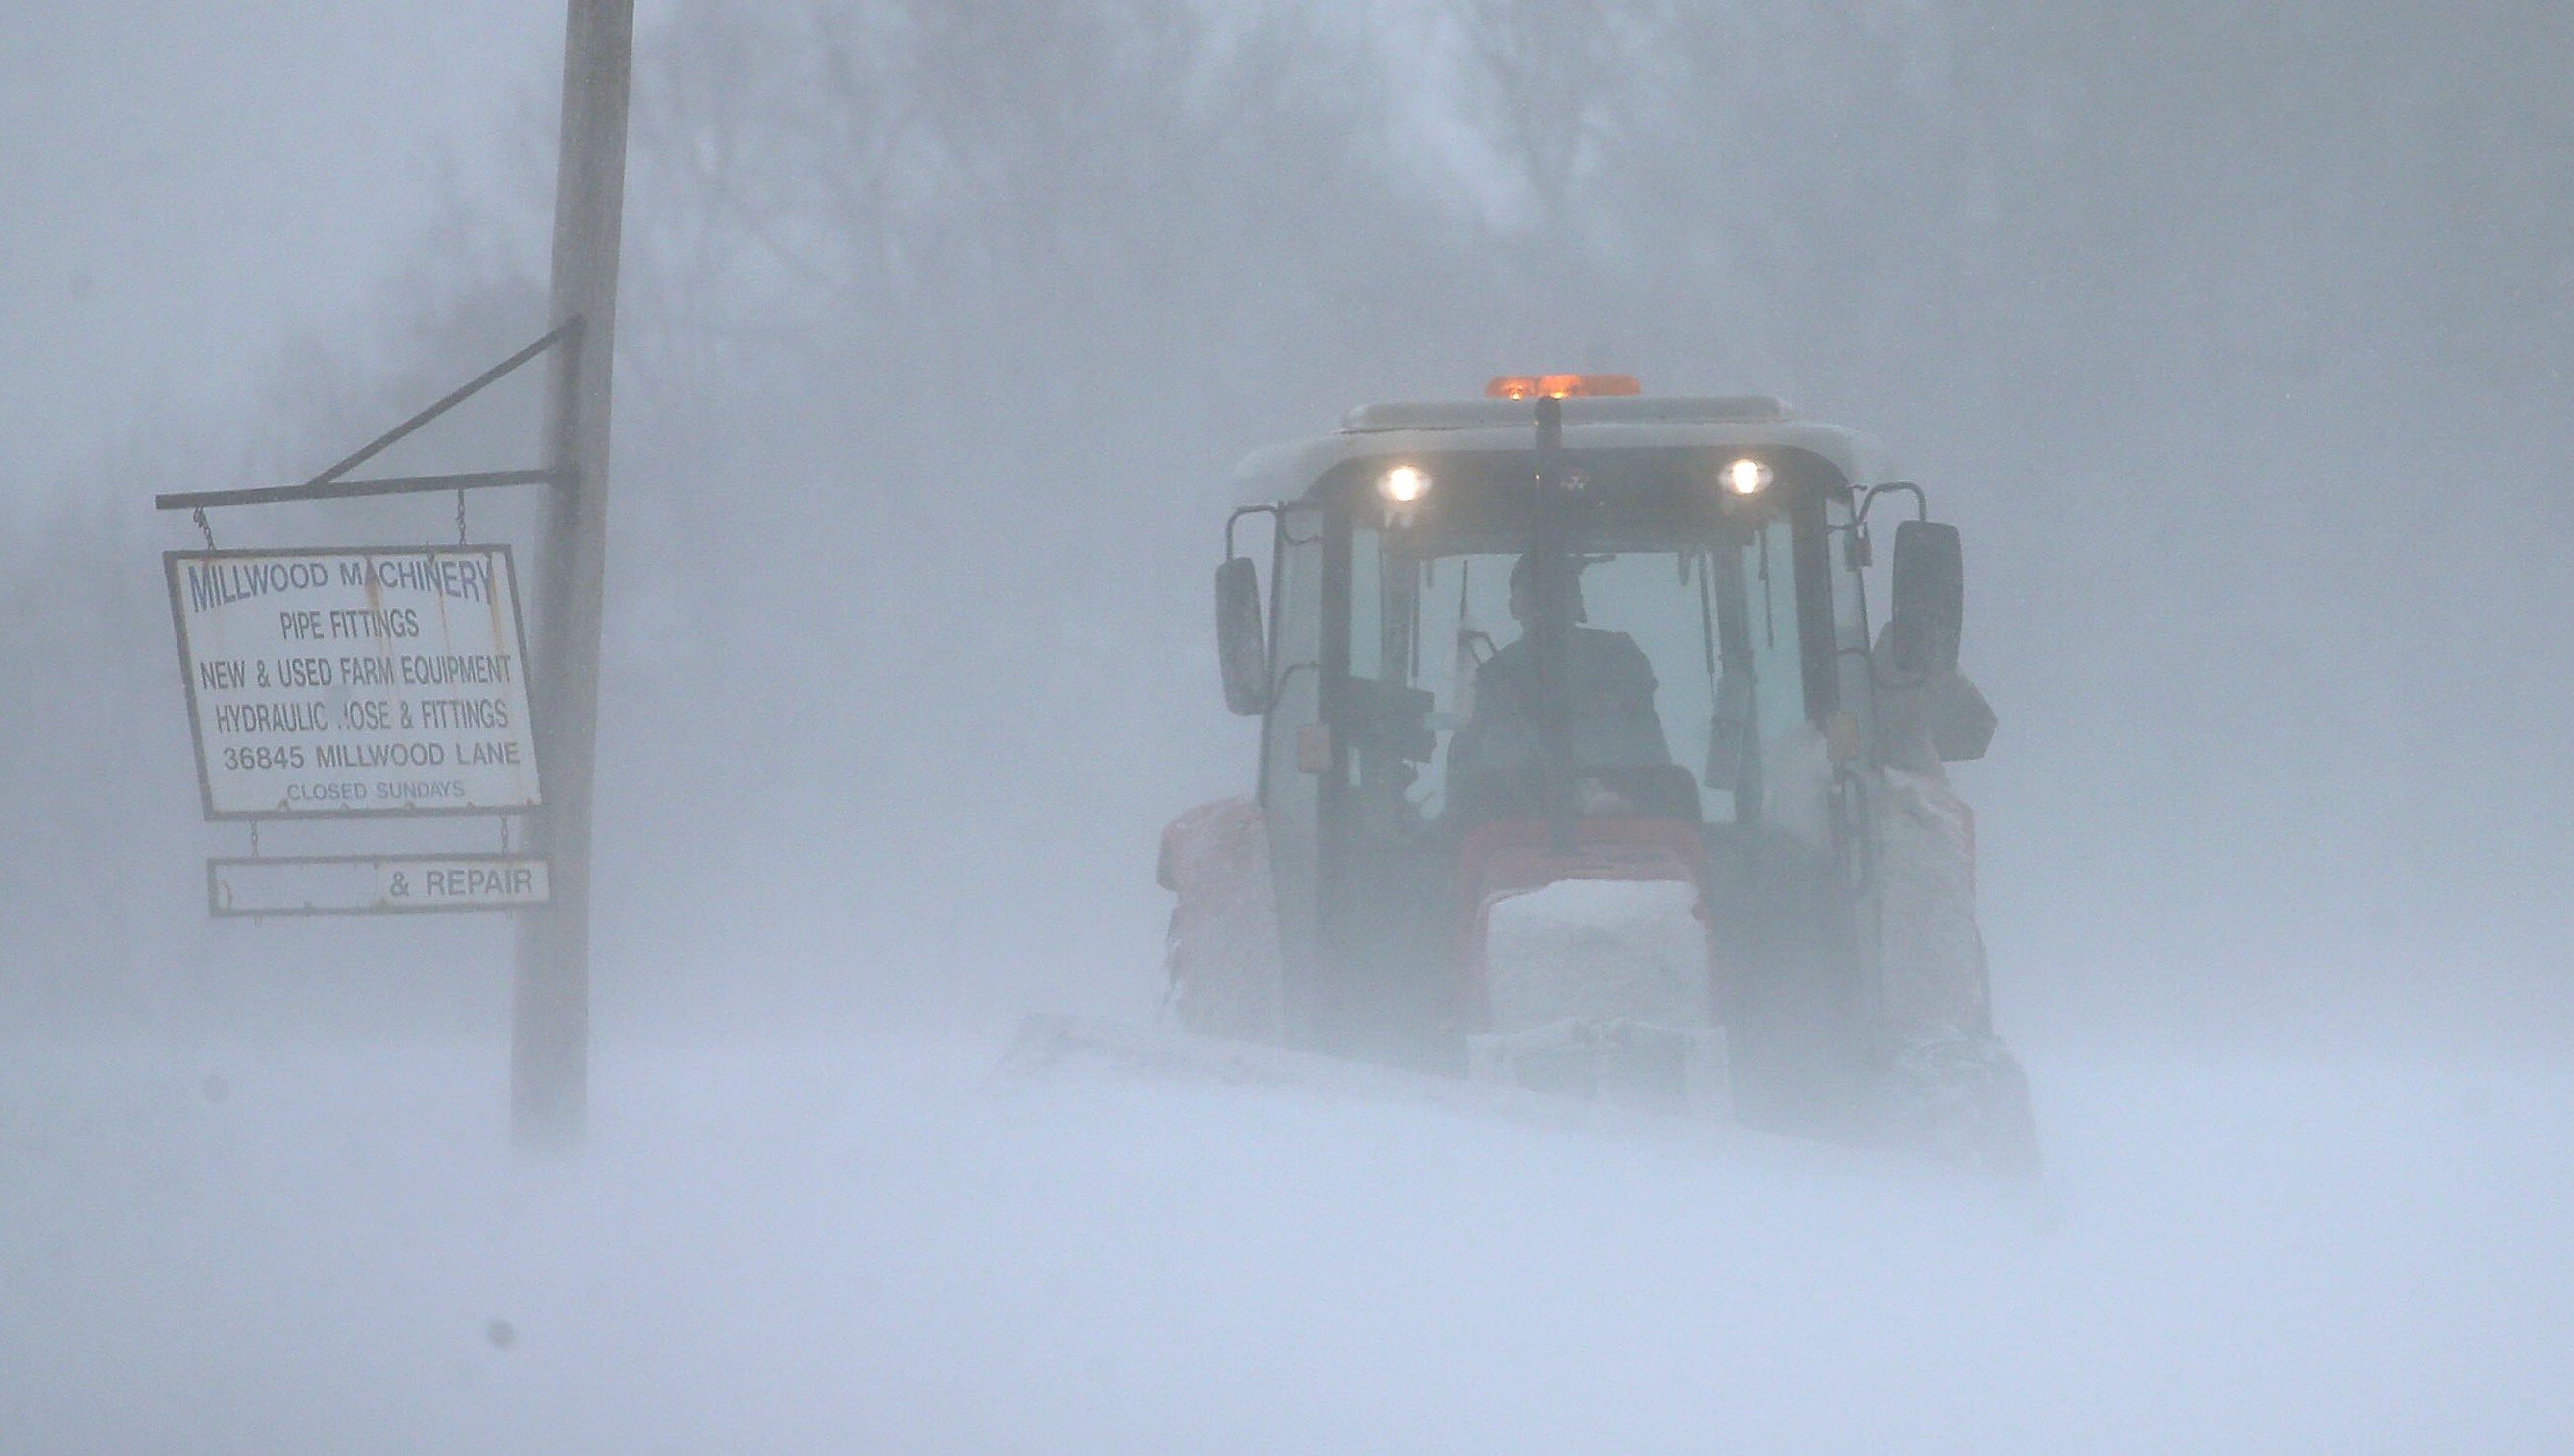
(1049, 1044)
(1678, 1071)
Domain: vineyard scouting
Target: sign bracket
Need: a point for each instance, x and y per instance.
(329, 485)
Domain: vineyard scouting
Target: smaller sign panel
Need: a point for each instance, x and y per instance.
(375, 885)
(330, 684)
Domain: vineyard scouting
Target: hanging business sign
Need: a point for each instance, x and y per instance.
(339, 682)
(375, 885)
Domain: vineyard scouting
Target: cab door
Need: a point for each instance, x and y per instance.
(1291, 738)
(1384, 975)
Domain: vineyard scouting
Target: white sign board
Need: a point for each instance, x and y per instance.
(375, 885)
(384, 680)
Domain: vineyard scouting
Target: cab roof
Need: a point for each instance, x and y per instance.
(1287, 472)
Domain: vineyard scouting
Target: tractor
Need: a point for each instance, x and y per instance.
(1586, 767)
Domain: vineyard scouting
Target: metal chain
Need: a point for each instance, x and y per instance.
(253, 838)
(206, 527)
(459, 517)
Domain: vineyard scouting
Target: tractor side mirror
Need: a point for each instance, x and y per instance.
(1930, 597)
(1241, 647)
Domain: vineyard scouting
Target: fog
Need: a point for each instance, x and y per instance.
(2235, 339)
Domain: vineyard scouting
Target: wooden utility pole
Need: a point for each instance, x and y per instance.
(550, 1025)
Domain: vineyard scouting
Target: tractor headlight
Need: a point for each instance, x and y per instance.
(1746, 477)
(1404, 485)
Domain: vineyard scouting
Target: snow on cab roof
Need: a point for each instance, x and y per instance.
(1285, 471)
(1629, 409)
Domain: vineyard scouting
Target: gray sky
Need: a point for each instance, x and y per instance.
(169, 225)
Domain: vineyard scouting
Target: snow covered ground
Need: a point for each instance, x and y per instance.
(856, 1248)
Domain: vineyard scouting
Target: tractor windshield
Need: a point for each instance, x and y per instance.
(1685, 667)
(1598, 647)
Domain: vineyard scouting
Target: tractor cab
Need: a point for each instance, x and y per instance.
(1572, 763)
